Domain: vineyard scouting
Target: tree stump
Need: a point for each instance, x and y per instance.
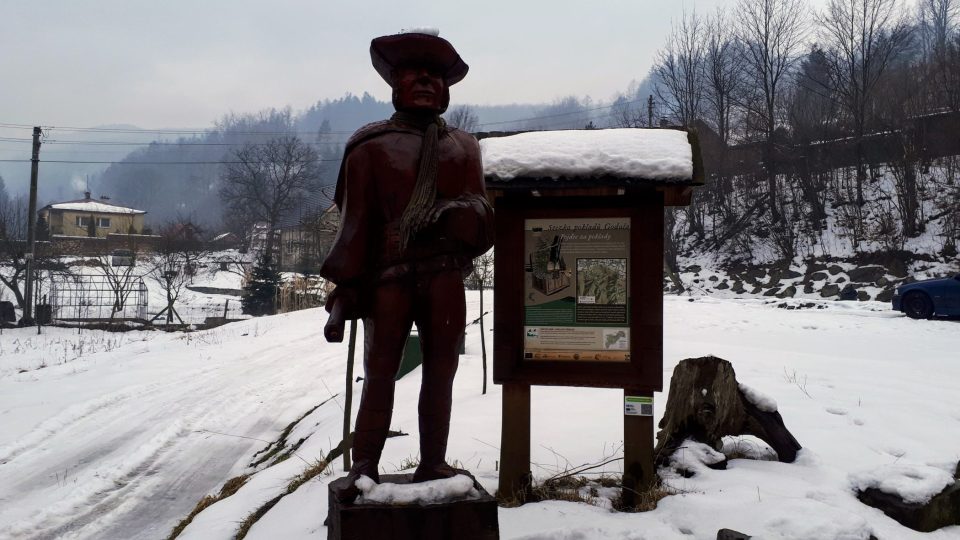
(706, 403)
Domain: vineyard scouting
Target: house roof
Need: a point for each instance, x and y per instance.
(94, 206)
(224, 236)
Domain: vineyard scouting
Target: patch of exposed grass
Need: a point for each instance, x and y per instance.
(229, 488)
(409, 462)
(585, 490)
(315, 469)
(646, 499)
(280, 444)
(234, 484)
(308, 474)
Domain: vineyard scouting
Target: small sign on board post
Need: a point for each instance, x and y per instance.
(638, 405)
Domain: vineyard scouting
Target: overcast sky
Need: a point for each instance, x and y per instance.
(184, 63)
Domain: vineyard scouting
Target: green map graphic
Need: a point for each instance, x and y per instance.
(613, 338)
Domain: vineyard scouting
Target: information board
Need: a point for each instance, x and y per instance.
(577, 289)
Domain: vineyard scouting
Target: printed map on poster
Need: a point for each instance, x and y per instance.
(576, 289)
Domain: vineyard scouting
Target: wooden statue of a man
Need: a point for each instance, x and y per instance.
(413, 215)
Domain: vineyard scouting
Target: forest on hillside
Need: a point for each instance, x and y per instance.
(825, 132)
(181, 179)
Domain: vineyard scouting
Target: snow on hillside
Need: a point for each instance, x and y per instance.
(123, 441)
(726, 226)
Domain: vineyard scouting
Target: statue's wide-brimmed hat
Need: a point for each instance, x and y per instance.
(417, 49)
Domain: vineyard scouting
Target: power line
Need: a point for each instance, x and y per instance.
(145, 162)
(198, 131)
(153, 143)
(207, 131)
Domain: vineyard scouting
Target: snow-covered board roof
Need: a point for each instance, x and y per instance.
(94, 206)
(661, 155)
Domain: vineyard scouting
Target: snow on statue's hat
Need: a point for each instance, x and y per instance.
(421, 46)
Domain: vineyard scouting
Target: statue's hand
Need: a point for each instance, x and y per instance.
(445, 205)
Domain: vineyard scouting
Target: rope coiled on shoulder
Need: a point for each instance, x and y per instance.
(416, 215)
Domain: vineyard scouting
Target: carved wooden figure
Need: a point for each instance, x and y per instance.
(414, 214)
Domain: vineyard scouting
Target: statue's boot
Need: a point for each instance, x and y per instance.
(367, 447)
(434, 430)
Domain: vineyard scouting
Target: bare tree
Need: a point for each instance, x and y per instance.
(771, 33)
(626, 114)
(13, 245)
(940, 40)
(722, 73)
(122, 278)
(174, 262)
(671, 249)
(679, 70)
(568, 112)
(812, 112)
(48, 257)
(635, 107)
(463, 117)
(4, 196)
(167, 270)
(482, 277)
(937, 22)
(861, 38)
(266, 181)
(902, 101)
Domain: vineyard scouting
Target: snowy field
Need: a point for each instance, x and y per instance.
(117, 436)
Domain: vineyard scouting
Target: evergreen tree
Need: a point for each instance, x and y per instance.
(4, 196)
(43, 229)
(260, 293)
(91, 227)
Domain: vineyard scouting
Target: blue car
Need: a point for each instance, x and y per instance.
(924, 299)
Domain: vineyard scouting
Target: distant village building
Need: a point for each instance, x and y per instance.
(97, 216)
(300, 241)
(257, 238)
(304, 244)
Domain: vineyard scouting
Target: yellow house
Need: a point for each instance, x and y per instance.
(74, 218)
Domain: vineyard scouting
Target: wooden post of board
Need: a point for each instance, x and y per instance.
(515, 476)
(638, 468)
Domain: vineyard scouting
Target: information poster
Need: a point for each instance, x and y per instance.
(576, 289)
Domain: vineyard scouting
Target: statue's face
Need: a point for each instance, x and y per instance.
(419, 88)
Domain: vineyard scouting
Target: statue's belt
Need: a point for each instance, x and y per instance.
(431, 265)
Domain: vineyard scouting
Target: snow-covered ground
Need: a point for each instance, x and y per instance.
(121, 441)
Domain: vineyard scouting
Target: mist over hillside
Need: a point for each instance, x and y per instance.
(177, 178)
(66, 154)
(174, 174)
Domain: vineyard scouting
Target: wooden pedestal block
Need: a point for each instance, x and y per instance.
(461, 520)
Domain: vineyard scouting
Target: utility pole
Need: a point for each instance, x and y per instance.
(650, 111)
(31, 229)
